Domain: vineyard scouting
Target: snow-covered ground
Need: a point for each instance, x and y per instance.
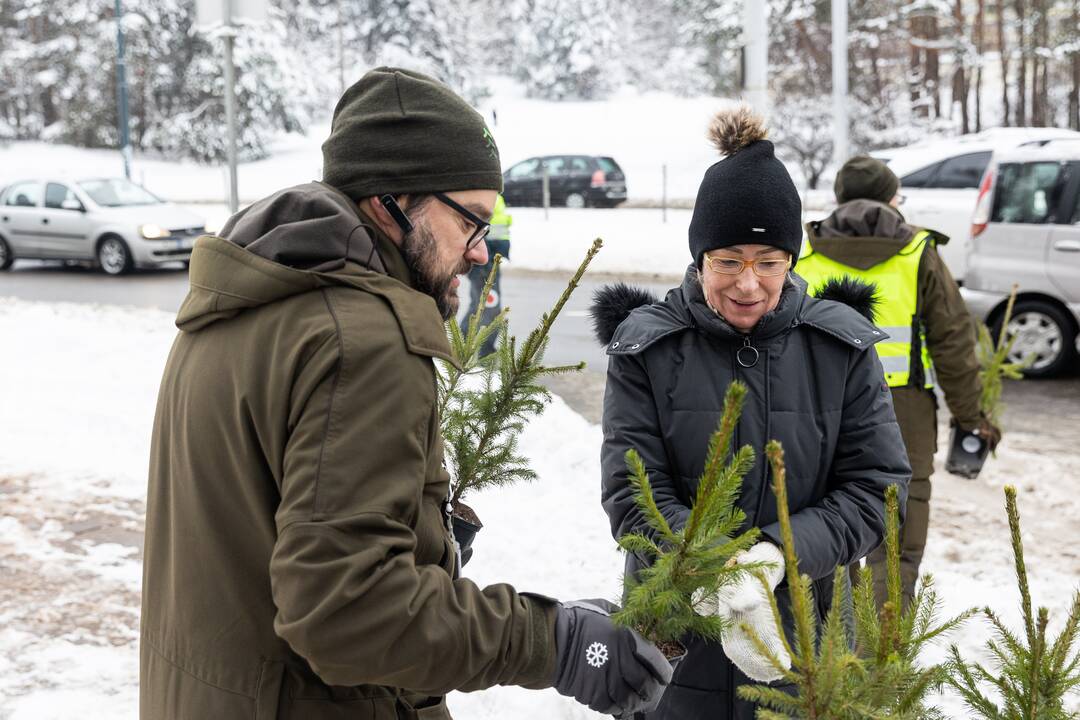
(79, 382)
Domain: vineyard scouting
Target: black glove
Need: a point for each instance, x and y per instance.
(613, 670)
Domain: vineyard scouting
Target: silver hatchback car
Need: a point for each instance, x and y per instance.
(1026, 230)
(109, 221)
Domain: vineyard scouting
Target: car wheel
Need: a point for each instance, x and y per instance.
(1043, 333)
(575, 200)
(113, 256)
(6, 256)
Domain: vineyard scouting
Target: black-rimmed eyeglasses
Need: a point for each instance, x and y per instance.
(482, 227)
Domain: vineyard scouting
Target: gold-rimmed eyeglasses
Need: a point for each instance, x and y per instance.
(762, 267)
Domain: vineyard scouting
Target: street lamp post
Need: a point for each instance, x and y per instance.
(230, 104)
(122, 93)
(756, 56)
(840, 81)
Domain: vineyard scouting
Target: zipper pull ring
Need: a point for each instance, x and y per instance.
(748, 355)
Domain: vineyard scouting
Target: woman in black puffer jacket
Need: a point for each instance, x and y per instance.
(815, 384)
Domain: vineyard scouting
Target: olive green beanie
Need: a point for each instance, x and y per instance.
(397, 131)
(867, 178)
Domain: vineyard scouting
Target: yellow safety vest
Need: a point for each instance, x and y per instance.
(500, 221)
(897, 282)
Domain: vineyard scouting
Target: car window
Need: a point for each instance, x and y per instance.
(1074, 168)
(56, 195)
(920, 178)
(25, 194)
(525, 169)
(555, 165)
(1028, 192)
(118, 192)
(608, 165)
(578, 165)
(963, 171)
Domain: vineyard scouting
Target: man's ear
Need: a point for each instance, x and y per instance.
(374, 208)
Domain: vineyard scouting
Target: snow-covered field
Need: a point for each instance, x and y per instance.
(79, 382)
(643, 132)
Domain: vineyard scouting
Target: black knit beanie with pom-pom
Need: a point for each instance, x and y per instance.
(747, 198)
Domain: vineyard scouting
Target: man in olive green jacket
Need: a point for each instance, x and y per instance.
(298, 561)
(865, 231)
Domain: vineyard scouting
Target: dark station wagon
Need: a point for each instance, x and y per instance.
(576, 181)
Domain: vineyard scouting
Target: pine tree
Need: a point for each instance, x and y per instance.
(871, 670)
(486, 402)
(994, 364)
(692, 563)
(1032, 676)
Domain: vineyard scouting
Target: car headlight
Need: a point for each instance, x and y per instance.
(153, 232)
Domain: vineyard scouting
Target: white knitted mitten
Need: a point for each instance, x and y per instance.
(746, 602)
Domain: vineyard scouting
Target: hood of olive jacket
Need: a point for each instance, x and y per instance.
(296, 240)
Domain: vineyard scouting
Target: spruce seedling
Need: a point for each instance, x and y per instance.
(868, 671)
(689, 564)
(994, 364)
(1033, 676)
(890, 639)
(481, 421)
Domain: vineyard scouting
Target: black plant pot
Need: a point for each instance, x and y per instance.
(967, 453)
(464, 531)
(676, 651)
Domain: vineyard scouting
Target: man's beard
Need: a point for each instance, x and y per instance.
(421, 251)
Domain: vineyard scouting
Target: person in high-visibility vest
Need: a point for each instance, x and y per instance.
(498, 242)
(931, 339)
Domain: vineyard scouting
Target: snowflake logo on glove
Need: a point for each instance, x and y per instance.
(596, 655)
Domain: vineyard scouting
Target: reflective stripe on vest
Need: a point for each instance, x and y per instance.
(500, 221)
(897, 282)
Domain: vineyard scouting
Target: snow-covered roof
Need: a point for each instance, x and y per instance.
(1056, 150)
(908, 159)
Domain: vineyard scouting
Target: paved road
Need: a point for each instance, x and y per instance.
(528, 295)
(1053, 404)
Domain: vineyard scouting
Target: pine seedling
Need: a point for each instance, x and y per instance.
(482, 421)
(891, 638)
(1032, 676)
(994, 364)
(867, 671)
(828, 676)
(689, 564)
(466, 346)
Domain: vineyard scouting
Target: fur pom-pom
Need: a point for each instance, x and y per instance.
(612, 304)
(732, 130)
(856, 294)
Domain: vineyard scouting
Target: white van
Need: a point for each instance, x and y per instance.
(940, 179)
(1026, 230)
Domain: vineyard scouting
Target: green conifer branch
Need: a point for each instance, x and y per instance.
(892, 547)
(481, 425)
(693, 561)
(882, 677)
(798, 589)
(1032, 678)
(994, 365)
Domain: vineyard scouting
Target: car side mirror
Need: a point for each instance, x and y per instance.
(72, 205)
